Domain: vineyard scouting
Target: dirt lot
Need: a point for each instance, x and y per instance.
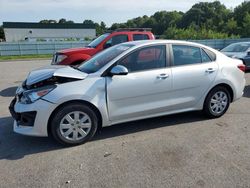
(185, 150)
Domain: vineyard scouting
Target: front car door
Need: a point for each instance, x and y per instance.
(144, 91)
(117, 39)
(193, 69)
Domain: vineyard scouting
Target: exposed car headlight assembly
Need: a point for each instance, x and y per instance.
(31, 96)
(58, 58)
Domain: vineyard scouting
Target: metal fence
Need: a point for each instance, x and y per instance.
(220, 43)
(29, 48)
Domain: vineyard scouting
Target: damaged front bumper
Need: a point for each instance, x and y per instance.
(31, 119)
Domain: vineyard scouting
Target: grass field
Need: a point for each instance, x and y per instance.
(25, 57)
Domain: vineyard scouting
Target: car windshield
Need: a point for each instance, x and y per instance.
(101, 59)
(236, 47)
(98, 40)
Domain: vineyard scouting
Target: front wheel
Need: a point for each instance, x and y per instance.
(217, 102)
(74, 124)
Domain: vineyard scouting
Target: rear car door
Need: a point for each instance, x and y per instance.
(193, 69)
(144, 91)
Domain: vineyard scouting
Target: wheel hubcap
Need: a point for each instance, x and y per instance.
(75, 125)
(219, 102)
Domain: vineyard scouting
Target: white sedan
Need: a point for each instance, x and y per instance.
(127, 82)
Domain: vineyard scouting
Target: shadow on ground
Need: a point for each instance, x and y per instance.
(14, 146)
(8, 92)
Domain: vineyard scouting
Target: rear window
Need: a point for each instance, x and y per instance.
(237, 47)
(140, 37)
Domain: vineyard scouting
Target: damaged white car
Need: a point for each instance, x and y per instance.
(126, 82)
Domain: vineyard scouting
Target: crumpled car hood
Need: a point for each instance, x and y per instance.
(53, 71)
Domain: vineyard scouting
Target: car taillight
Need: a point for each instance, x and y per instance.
(242, 67)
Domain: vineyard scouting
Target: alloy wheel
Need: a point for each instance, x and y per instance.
(75, 125)
(219, 102)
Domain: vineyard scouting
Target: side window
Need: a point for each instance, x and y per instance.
(147, 58)
(185, 55)
(140, 37)
(116, 40)
(205, 57)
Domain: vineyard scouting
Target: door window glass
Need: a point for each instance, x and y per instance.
(147, 58)
(116, 40)
(185, 55)
(140, 37)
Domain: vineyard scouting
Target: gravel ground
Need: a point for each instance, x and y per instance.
(184, 150)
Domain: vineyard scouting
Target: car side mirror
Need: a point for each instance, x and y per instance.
(119, 70)
(107, 45)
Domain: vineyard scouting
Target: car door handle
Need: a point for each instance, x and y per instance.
(163, 76)
(210, 70)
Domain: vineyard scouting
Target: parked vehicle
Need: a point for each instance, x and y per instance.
(129, 81)
(76, 56)
(240, 50)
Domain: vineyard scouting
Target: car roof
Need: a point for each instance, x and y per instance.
(157, 41)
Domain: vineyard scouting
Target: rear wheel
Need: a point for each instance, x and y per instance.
(217, 102)
(74, 124)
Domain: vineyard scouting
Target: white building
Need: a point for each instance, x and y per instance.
(21, 31)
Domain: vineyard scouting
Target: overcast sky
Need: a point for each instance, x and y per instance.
(109, 11)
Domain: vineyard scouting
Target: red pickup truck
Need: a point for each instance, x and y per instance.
(75, 56)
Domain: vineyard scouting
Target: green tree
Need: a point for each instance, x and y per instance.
(62, 20)
(246, 26)
(103, 26)
(159, 22)
(241, 11)
(209, 15)
(100, 28)
(231, 26)
(48, 21)
(165, 20)
(241, 14)
(88, 22)
(194, 33)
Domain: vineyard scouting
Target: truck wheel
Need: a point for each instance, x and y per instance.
(74, 124)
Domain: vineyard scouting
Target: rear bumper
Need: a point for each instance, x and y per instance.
(240, 91)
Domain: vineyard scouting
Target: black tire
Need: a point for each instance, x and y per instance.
(207, 109)
(70, 108)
